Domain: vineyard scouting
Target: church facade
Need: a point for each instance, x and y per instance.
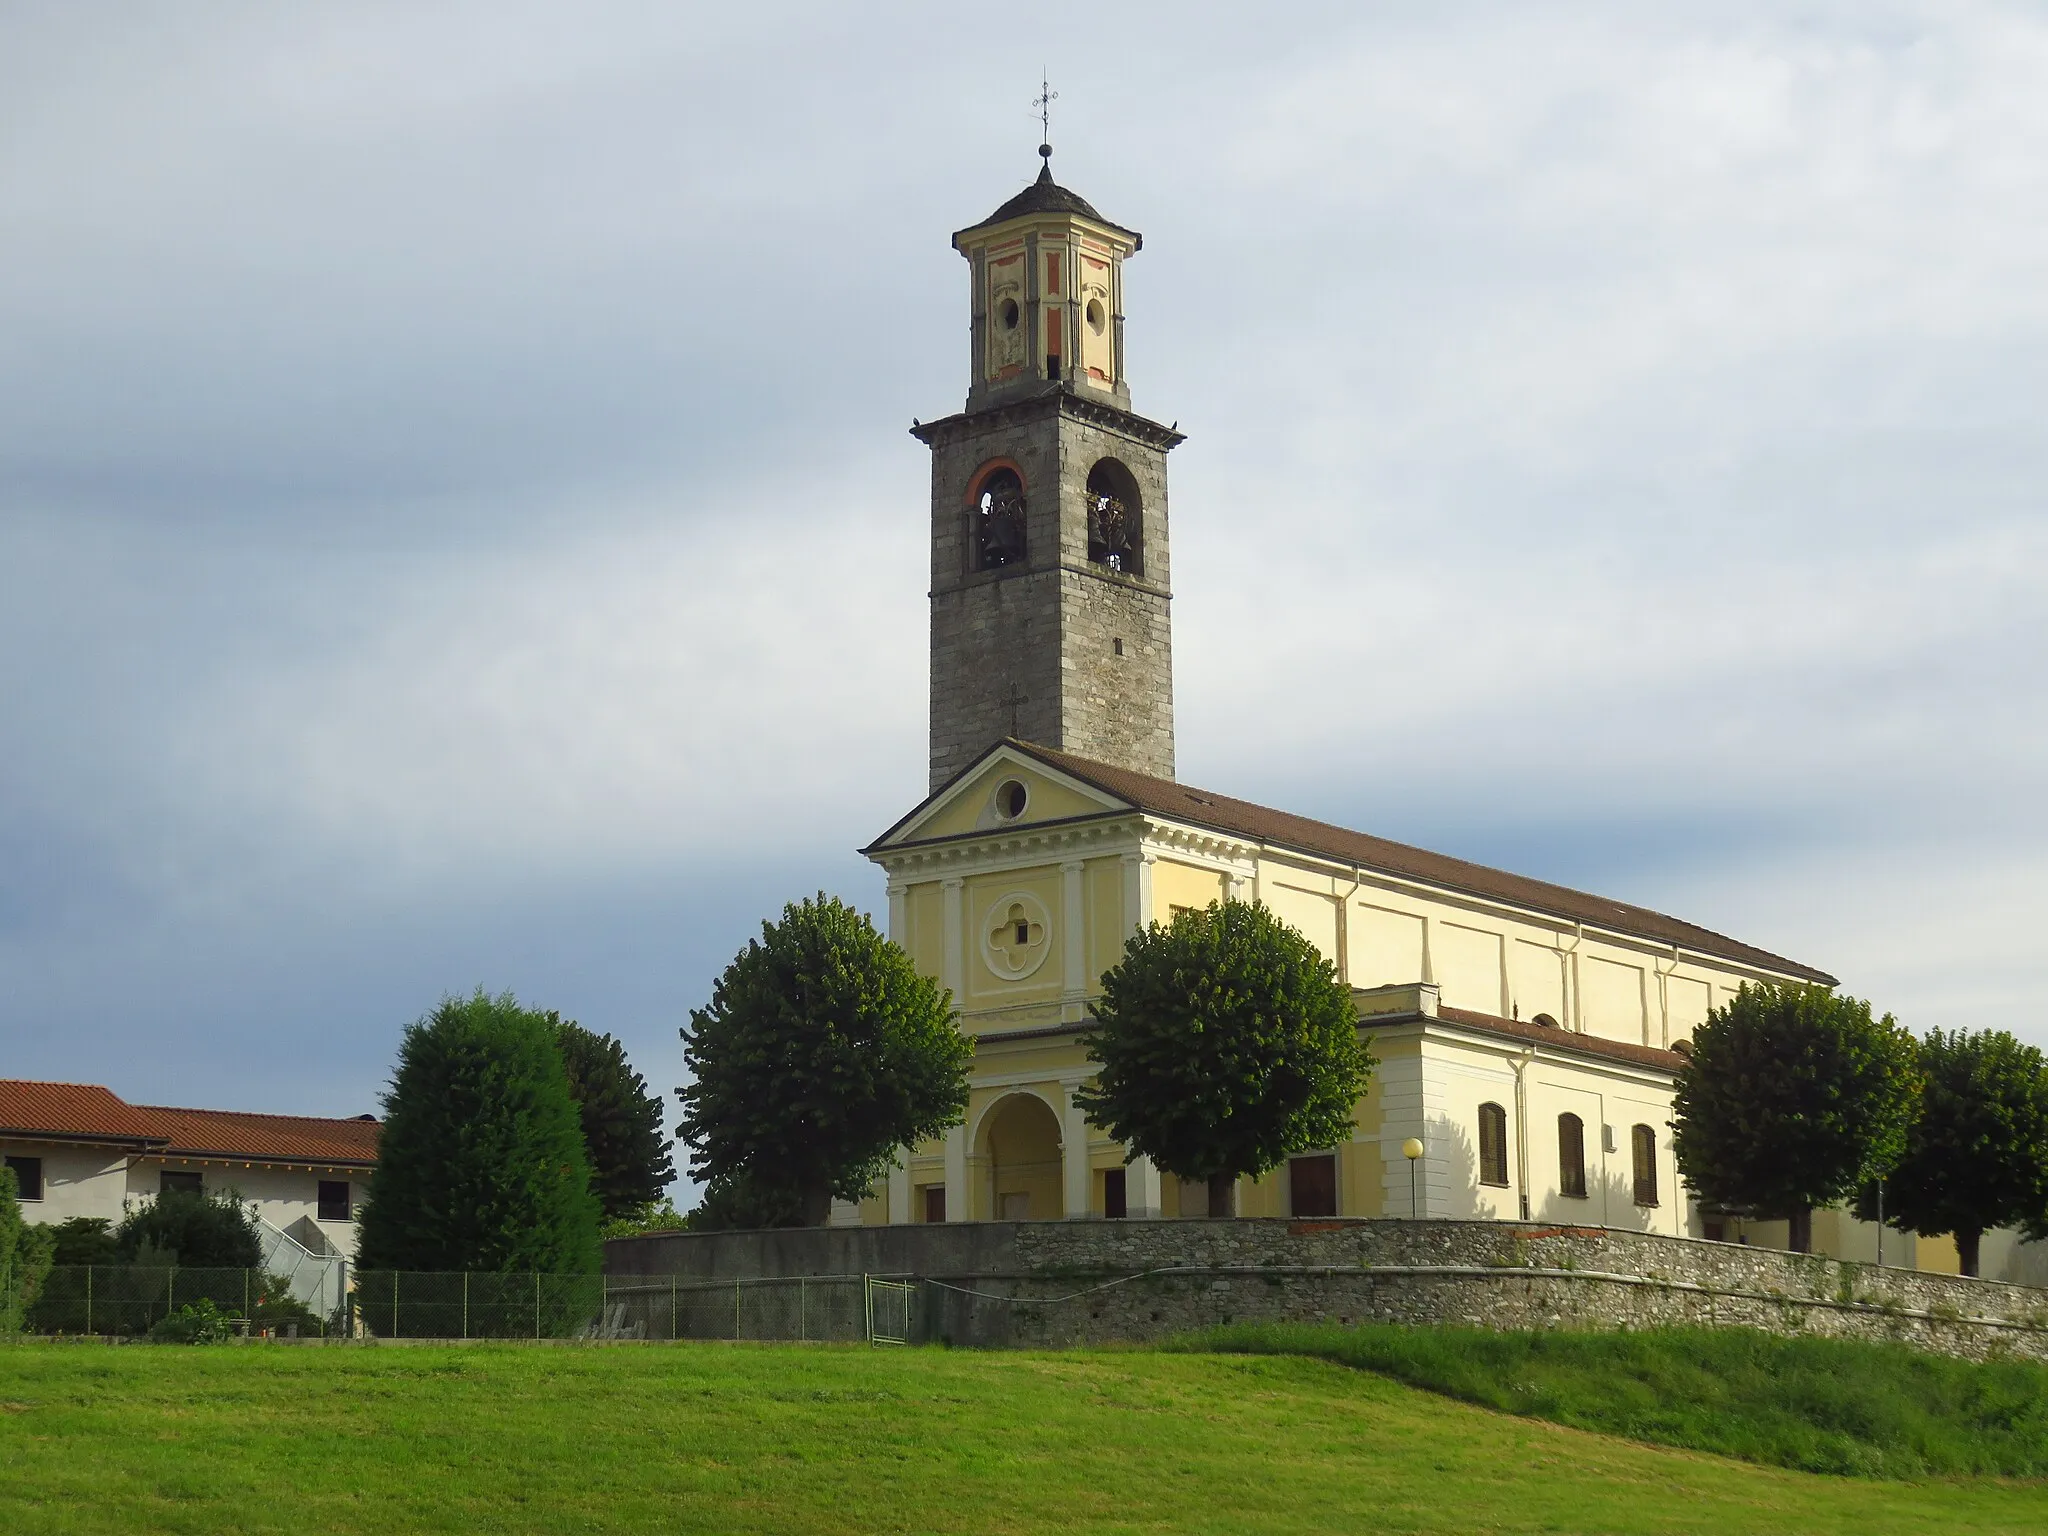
(1526, 1034)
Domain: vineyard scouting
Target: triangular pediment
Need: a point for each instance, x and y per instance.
(1004, 789)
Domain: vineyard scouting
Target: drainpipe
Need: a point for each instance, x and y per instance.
(1520, 1064)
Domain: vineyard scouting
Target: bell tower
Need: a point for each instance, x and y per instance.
(1049, 537)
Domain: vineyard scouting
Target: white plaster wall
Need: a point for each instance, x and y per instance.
(281, 1196)
(77, 1181)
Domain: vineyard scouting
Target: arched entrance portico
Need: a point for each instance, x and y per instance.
(1020, 1147)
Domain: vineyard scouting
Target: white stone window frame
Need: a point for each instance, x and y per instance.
(1035, 912)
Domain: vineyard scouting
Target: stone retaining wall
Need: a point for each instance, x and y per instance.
(1059, 1283)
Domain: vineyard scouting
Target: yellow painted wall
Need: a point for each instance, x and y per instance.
(971, 808)
(1183, 885)
(1311, 913)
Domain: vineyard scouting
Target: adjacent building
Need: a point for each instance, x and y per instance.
(79, 1150)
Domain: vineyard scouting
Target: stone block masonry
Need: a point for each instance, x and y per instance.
(1052, 1284)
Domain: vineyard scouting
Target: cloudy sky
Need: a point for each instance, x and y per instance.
(457, 525)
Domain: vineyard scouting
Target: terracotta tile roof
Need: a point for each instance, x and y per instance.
(88, 1112)
(283, 1138)
(1241, 818)
(72, 1112)
(1559, 1039)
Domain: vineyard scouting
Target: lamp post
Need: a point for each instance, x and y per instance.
(1412, 1150)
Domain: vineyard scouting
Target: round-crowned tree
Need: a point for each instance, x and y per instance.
(1225, 1044)
(630, 1162)
(1977, 1156)
(823, 1051)
(1793, 1097)
(481, 1162)
(25, 1253)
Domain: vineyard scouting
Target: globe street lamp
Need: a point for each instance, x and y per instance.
(1412, 1150)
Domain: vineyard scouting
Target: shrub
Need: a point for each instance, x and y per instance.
(652, 1217)
(213, 1230)
(24, 1256)
(85, 1240)
(200, 1322)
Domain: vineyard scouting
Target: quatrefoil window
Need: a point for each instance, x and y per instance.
(1015, 938)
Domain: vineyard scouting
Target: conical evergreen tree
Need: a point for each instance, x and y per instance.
(481, 1164)
(630, 1161)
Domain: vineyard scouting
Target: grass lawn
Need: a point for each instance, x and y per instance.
(1818, 1405)
(744, 1438)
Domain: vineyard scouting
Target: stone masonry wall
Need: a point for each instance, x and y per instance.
(1062, 1283)
(1032, 650)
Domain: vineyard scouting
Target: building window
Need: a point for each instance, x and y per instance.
(1571, 1157)
(999, 522)
(28, 1176)
(1645, 1146)
(177, 1181)
(334, 1200)
(935, 1203)
(1493, 1145)
(1113, 1187)
(1312, 1185)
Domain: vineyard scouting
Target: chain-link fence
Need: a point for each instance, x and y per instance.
(127, 1300)
(130, 1299)
(823, 1308)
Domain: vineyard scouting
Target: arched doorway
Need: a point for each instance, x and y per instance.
(1021, 1140)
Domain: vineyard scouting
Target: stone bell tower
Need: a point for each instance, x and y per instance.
(1049, 538)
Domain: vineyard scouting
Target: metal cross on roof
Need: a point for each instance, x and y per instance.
(1043, 102)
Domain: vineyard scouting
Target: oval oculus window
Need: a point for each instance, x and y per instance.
(1011, 798)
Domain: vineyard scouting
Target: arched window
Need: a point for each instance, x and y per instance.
(1115, 528)
(999, 522)
(1571, 1157)
(1645, 1148)
(1493, 1145)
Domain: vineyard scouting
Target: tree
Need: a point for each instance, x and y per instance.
(1226, 1044)
(1977, 1156)
(210, 1230)
(24, 1256)
(481, 1162)
(1793, 1097)
(822, 1052)
(630, 1164)
(85, 1240)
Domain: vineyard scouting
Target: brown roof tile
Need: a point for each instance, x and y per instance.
(286, 1138)
(1241, 818)
(1558, 1039)
(72, 1112)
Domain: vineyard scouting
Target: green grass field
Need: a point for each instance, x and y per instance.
(1817, 1405)
(747, 1438)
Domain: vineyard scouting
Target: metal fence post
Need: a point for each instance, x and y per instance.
(803, 1295)
(465, 1303)
(536, 1303)
(671, 1307)
(171, 1291)
(735, 1311)
(394, 1303)
(88, 1298)
(245, 1296)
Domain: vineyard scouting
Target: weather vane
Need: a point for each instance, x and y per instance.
(1043, 102)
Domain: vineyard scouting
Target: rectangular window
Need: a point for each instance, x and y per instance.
(1644, 1146)
(1571, 1157)
(935, 1203)
(28, 1176)
(334, 1200)
(1493, 1145)
(1113, 1194)
(178, 1181)
(1312, 1185)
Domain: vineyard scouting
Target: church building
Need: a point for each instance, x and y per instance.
(1527, 1034)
